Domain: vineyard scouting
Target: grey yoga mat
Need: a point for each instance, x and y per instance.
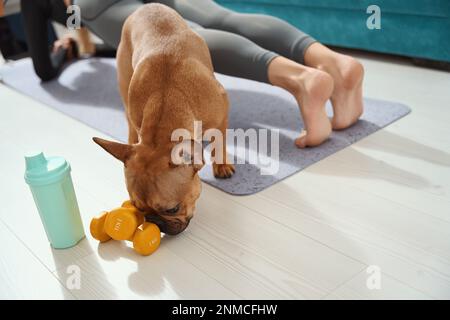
(87, 90)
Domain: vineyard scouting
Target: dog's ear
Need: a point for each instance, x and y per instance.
(187, 152)
(117, 150)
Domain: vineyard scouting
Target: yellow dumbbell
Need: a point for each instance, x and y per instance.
(97, 227)
(121, 223)
(147, 239)
(127, 223)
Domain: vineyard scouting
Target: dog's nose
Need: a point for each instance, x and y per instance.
(172, 227)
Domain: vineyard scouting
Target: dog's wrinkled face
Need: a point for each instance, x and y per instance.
(165, 192)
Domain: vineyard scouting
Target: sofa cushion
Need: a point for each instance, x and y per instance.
(417, 28)
(435, 8)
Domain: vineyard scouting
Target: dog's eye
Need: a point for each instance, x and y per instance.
(174, 209)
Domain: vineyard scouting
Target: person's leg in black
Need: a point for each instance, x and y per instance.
(227, 60)
(36, 15)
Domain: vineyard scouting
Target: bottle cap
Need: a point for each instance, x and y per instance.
(41, 170)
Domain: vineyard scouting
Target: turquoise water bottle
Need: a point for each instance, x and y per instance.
(51, 185)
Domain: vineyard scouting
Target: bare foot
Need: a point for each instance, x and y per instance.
(315, 88)
(311, 88)
(346, 99)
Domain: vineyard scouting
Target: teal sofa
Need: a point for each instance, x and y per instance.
(416, 28)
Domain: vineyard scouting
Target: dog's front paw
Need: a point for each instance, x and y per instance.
(223, 170)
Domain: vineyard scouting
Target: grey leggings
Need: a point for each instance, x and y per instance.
(241, 45)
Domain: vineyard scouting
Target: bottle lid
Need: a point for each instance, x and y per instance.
(41, 170)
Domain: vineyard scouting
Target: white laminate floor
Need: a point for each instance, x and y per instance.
(382, 202)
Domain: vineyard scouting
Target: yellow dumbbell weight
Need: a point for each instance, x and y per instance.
(147, 239)
(97, 228)
(127, 223)
(121, 223)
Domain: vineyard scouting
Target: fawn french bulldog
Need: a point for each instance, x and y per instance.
(166, 81)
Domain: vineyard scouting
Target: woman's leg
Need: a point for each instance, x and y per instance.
(237, 56)
(266, 31)
(279, 36)
(105, 18)
(36, 14)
